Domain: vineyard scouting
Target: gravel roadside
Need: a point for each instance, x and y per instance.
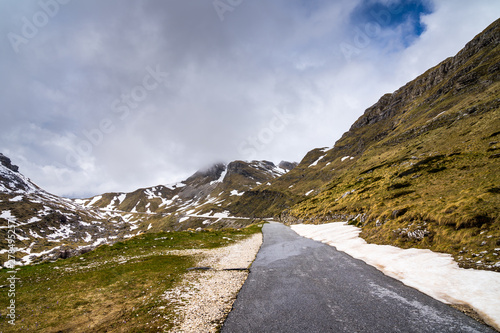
(205, 298)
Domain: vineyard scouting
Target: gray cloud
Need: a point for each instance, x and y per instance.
(112, 96)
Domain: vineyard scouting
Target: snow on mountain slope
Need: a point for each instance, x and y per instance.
(42, 225)
(204, 194)
(49, 227)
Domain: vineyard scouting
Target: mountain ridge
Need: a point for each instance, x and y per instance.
(47, 226)
(50, 227)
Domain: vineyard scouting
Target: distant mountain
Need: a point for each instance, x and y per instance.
(197, 202)
(418, 168)
(47, 226)
(50, 227)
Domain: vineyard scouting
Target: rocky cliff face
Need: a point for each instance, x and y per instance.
(203, 177)
(287, 165)
(11, 181)
(471, 69)
(5, 161)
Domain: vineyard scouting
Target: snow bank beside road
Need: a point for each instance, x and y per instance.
(435, 274)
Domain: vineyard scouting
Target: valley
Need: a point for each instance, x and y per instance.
(419, 169)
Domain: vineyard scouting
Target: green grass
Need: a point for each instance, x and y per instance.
(112, 289)
(445, 182)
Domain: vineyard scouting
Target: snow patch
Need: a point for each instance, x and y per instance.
(64, 232)
(121, 197)
(26, 260)
(94, 200)
(221, 178)
(127, 217)
(87, 238)
(439, 115)
(34, 219)
(316, 162)
(222, 215)
(6, 214)
(235, 192)
(100, 241)
(34, 234)
(21, 238)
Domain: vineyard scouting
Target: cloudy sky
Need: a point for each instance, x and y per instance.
(115, 95)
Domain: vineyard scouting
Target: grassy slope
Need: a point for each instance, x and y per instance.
(424, 166)
(448, 192)
(427, 176)
(114, 288)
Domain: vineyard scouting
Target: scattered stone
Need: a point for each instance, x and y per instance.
(205, 299)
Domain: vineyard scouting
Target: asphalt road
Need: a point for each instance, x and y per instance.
(300, 285)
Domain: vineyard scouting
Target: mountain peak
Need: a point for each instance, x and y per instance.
(287, 165)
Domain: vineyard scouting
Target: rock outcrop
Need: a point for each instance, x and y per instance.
(5, 161)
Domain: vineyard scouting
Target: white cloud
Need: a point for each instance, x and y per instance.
(226, 82)
(449, 28)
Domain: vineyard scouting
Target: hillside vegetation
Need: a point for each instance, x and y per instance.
(418, 169)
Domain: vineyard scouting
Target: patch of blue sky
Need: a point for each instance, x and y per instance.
(403, 17)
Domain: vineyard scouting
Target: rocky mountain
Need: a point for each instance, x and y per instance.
(41, 225)
(197, 202)
(48, 227)
(418, 169)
